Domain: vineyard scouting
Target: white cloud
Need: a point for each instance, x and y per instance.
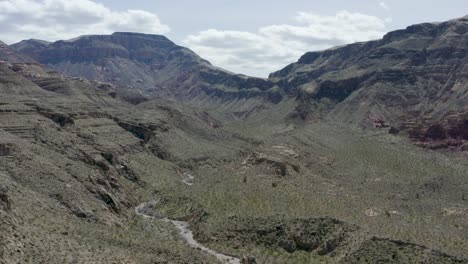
(384, 6)
(272, 47)
(65, 19)
(257, 53)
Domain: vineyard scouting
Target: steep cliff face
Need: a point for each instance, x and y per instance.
(150, 64)
(412, 73)
(417, 72)
(409, 79)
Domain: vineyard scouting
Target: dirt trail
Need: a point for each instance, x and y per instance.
(183, 227)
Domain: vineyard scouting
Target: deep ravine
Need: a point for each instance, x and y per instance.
(184, 231)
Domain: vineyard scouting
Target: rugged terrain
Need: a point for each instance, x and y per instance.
(150, 64)
(299, 168)
(413, 79)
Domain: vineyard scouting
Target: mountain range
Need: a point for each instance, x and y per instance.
(110, 144)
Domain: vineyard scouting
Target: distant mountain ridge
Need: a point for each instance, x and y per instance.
(410, 76)
(151, 64)
(7, 54)
(406, 78)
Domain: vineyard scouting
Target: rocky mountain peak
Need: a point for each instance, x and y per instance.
(9, 55)
(149, 64)
(90, 48)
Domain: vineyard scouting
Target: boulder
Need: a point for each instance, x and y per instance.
(464, 147)
(248, 260)
(393, 131)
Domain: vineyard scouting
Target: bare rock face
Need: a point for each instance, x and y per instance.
(464, 147)
(436, 131)
(149, 64)
(449, 132)
(457, 125)
(6, 149)
(428, 132)
(377, 121)
(4, 199)
(248, 260)
(411, 74)
(209, 120)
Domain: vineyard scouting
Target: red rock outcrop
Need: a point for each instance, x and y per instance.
(451, 132)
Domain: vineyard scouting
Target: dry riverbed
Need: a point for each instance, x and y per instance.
(184, 231)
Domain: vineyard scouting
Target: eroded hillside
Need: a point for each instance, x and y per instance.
(92, 171)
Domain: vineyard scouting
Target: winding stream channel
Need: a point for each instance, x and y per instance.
(143, 210)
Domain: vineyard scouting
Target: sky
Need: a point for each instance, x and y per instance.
(253, 37)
